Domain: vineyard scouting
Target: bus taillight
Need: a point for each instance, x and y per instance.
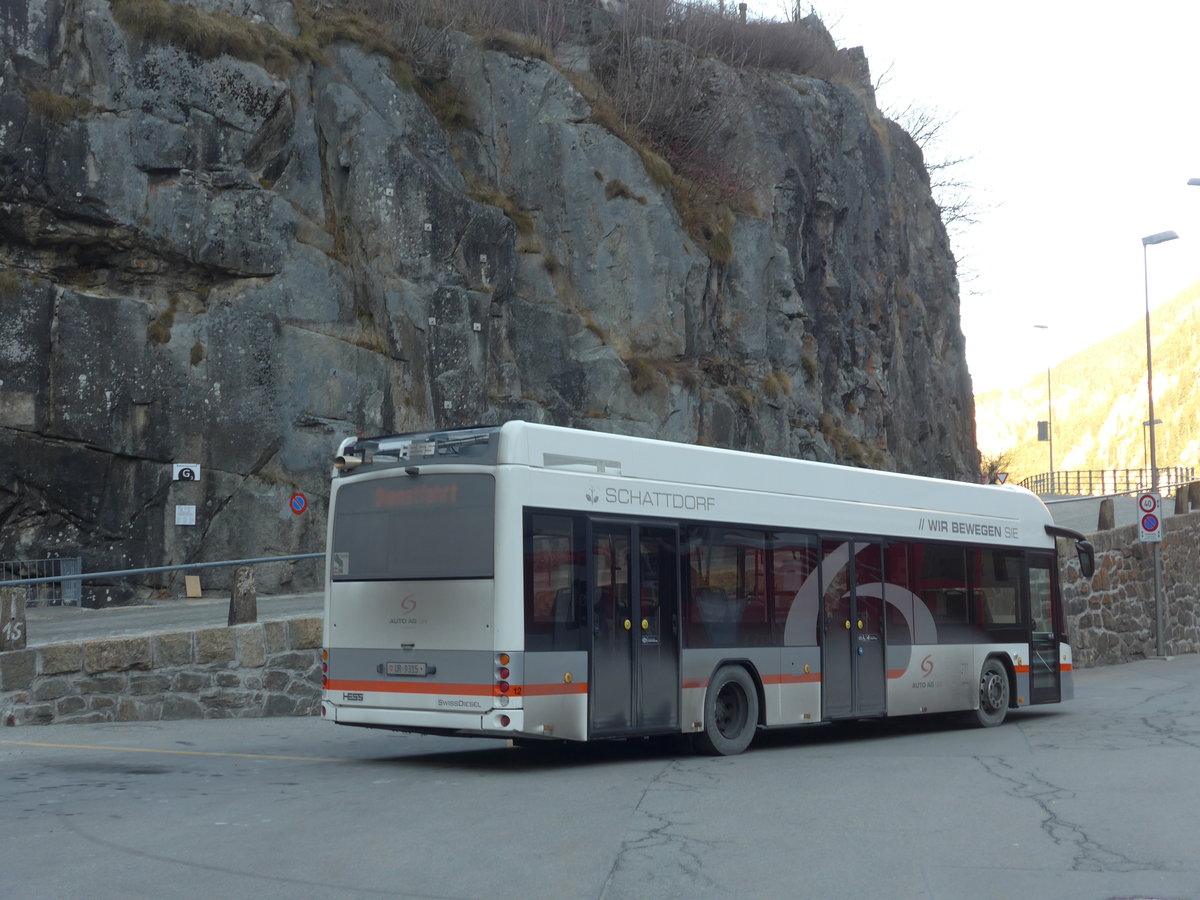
(503, 688)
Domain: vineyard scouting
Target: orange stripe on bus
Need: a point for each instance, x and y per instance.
(896, 673)
(1022, 670)
(1066, 667)
(412, 687)
(549, 690)
(807, 678)
(472, 690)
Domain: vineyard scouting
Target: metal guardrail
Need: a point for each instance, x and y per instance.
(1107, 482)
(49, 581)
(78, 577)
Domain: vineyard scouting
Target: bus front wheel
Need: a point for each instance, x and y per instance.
(730, 713)
(993, 694)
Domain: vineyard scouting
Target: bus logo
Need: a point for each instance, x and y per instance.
(927, 665)
(592, 496)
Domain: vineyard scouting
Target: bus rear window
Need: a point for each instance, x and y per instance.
(428, 526)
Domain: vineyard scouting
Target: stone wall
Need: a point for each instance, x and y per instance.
(259, 669)
(1110, 618)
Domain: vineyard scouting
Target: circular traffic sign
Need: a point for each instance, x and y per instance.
(1148, 502)
(1150, 522)
(298, 503)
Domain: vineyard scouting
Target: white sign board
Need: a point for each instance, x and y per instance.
(1150, 517)
(186, 471)
(185, 515)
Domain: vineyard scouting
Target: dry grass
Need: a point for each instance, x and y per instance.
(777, 384)
(159, 329)
(506, 203)
(10, 284)
(642, 375)
(446, 102)
(209, 35)
(617, 189)
(58, 109)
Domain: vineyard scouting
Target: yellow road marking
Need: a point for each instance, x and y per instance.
(175, 752)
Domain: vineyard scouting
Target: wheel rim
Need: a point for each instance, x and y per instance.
(730, 712)
(991, 691)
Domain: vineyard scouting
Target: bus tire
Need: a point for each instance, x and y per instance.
(993, 694)
(730, 713)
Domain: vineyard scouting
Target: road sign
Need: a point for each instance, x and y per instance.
(298, 503)
(1150, 521)
(185, 471)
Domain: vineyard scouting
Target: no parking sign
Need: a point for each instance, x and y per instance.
(298, 503)
(1150, 517)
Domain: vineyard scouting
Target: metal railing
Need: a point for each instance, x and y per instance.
(1106, 482)
(77, 577)
(48, 581)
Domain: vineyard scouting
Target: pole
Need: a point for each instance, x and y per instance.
(1150, 374)
(1050, 422)
(1156, 551)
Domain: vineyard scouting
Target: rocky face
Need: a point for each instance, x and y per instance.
(235, 262)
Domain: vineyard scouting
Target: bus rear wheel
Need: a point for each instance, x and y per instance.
(993, 694)
(730, 713)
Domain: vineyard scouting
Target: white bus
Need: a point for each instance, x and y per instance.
(534, 582)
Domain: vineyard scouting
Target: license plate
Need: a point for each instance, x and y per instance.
(406, 668)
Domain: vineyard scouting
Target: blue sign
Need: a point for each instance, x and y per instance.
(298, 503)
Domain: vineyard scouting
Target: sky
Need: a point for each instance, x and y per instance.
(1080, 123)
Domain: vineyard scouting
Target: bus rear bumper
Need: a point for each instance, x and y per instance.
(497, 721)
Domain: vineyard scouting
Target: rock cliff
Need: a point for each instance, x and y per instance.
(233, 255)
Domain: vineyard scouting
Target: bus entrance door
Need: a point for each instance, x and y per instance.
(1045, 682)
(634, 590)
(853, 680)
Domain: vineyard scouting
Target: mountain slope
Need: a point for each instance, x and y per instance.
(1100, 401)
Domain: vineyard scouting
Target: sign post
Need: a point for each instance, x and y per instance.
(1150, 530)
(1150, 517)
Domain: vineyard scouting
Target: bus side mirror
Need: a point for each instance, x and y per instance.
(1087, 558)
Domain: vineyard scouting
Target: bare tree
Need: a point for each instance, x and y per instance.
(992, 467)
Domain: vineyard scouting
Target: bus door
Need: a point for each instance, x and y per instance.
(633, 587)
(1044, 677)
(853, 679)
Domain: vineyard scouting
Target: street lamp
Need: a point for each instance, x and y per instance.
(1160, 238)
(1049, 411)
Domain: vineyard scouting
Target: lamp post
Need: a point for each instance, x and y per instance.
(1145, 452)
(1049, 411)
(1160, 238)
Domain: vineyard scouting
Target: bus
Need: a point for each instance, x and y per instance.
(532, 582)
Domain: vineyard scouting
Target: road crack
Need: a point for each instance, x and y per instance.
(656, 846)
(1089, 854)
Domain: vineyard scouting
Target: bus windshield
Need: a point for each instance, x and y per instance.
(404, 528)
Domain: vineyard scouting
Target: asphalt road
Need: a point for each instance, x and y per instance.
(51, 624)
(1097, 798)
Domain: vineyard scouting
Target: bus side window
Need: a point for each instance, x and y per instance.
(998, 584)
(941, 582)
(555, 611)
(726, 593)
